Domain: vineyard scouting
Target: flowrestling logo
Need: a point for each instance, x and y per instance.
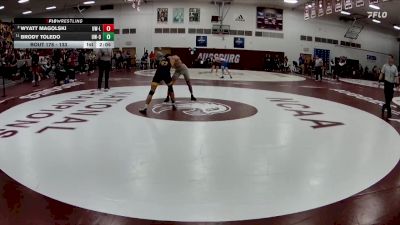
(377, 15)
(49, 91)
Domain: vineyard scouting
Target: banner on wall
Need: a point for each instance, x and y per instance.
(162, 15)
(178, 15)
(324, 54)
(238, 58)
(373, 2)
(239, 18)
(329, 9)
(201, 41)
(194, 15)
(348, 4)
(269, 18)
(371, 57)
(313, 10)
(306, 12)
(338, 5)
(230, 58)
(359, 3)
(238, 42)
(321, 8)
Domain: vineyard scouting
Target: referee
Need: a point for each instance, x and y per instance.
(318, 68)
(390, 76)
(104, 61)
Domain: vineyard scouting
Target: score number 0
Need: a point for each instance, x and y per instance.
(108, 27)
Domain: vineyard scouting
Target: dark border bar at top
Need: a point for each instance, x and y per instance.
(64, 21)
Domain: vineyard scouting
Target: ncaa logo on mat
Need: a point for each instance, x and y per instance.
(201, 110)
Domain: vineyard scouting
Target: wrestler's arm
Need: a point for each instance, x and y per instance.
(174, 59)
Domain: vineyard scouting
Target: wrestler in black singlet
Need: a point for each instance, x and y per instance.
(163, 72)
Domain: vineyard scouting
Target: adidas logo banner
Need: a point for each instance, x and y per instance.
(240, 18)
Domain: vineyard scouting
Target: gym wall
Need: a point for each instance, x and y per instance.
(373, 42)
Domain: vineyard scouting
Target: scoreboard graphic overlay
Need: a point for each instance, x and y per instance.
(64, 33)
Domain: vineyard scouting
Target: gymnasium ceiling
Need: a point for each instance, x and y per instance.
(13, 9)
